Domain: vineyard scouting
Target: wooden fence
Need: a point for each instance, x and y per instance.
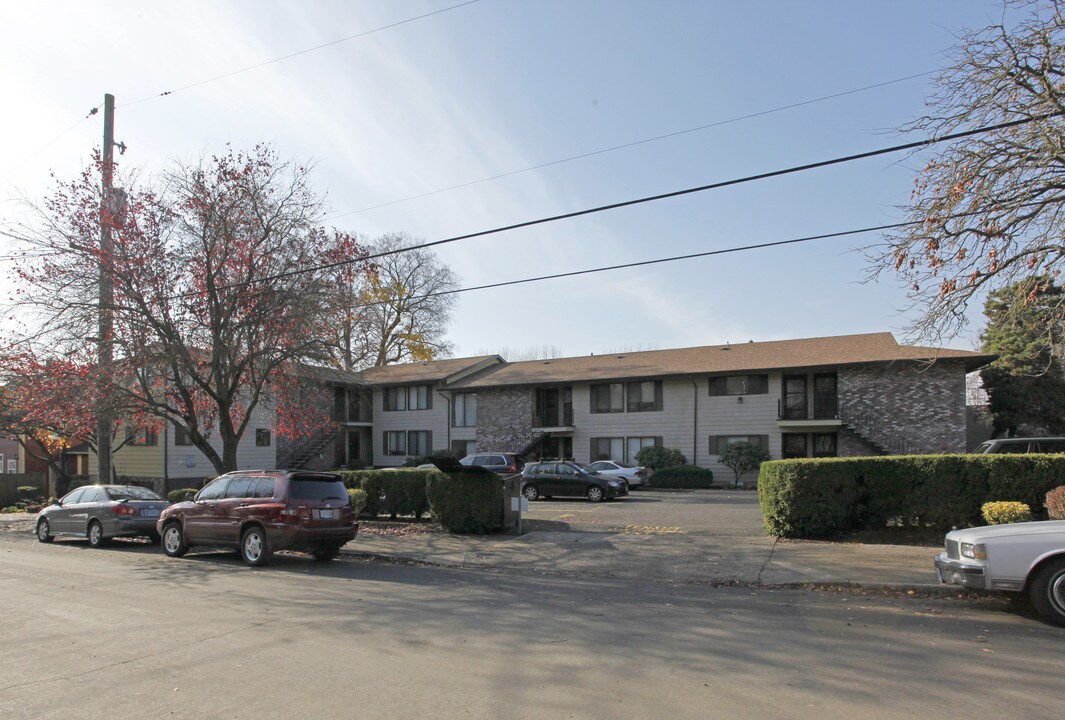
(10, 483)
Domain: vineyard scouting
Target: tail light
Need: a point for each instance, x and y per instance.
(513, 467)
(640, 472)
(125, 510)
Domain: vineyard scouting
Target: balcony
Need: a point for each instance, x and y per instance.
(553, 410)
(795, 414)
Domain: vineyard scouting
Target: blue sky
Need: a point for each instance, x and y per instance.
(501, 85)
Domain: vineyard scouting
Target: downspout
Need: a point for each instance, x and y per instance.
(166, 457)
(695, 422)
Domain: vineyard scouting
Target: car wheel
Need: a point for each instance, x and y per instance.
(44, 531)
(595, 493)
(326, 552)
(530, 492)
(1047, 592)
(96, 534)
(174, 540)
(254, 549)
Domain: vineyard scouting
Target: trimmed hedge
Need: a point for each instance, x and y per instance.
(391, 492)
(815, 498)
(682, 477)
(470, 503)
(176, 496)
(357, 497)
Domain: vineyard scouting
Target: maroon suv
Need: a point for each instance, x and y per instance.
(260, 511)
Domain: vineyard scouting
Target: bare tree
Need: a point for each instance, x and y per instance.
(986, 212)
(543, 352)
(401, 311)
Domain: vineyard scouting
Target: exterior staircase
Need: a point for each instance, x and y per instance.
(303, 450)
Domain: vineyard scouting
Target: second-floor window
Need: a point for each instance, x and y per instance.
(262, 437)
(464, 410)
(739, 385)
(408, 397)
(181, 437)
(641, 396)
(147, 436)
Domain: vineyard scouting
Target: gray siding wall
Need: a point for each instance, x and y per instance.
(435, 420)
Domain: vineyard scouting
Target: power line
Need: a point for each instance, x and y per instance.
(54, 140)
(298, 53)
(634, 143)
(643, 263)
(639, 201)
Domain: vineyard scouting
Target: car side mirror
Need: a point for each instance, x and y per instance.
(190, 496)
(56, 502)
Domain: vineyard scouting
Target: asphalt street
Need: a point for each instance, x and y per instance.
(125, 632)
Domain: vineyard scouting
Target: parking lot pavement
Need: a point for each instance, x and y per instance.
(712, 537)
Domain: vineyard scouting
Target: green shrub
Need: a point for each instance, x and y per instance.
(357, 496)
(1055, 503)
(392, 492)
(1004, 512)
(811, 498)
(742, 457)
(176, 496)
(466, 502)
(683, 476)
(29, 492)
(12, 509)
(657, 457)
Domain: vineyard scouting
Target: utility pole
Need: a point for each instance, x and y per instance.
(105, 421)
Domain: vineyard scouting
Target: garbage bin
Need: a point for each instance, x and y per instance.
(513, 502)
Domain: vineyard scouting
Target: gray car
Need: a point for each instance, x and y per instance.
(102, 512)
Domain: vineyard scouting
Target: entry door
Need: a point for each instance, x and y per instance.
(354, 448)
(794, 397)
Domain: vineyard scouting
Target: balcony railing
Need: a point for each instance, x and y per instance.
(828, 410)
(554, 417)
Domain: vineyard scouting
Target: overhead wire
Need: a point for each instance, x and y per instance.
(639, 201)
(634, 143)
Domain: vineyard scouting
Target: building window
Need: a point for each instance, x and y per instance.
(12, 467)
(794, 397)
(462, 448)
(644, 396)
(718, 443)
(262, 437)
(396, 398)
(826, 399)
(793, 445)
(181, 436)
(147, 436)
(739, 385)
(824, 445)
(464, 410)
(395, 442)
(408, 397)
(608, 398)
(633, 445)
(609, 448)
(418, 442)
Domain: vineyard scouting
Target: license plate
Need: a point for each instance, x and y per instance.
(325, 514)
(149, 513)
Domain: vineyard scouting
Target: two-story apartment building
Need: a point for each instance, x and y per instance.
(818, 397)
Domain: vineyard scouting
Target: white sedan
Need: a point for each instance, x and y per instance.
(1018, 557)
(632, 474)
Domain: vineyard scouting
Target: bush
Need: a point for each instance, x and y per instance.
(657, 457)
(417, 460)
(175, 496)
(29, 492)
(1055, 503)
(1004, 512)
(811, 498)
(12, 509)
(683, 477)
(394, 492)
(742, 457)
(357, 496)
(468, 502)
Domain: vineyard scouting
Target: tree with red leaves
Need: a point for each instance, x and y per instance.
(224, 282)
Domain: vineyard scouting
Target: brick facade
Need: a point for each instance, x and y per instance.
(504, 419)
(904, 407)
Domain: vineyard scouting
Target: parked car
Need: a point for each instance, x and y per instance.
(1022, 445)
(547, 479)
(102, 512)
(262, 511)
(497, 462)
(634, 475)
(1017, 557)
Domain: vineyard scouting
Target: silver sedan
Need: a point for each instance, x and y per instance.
(634, 475)
(102, 512)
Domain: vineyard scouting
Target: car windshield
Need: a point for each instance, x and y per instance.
(317, 489)
(131, 492)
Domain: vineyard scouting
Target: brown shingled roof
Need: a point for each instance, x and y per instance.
(710, 359)
(428, 371)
